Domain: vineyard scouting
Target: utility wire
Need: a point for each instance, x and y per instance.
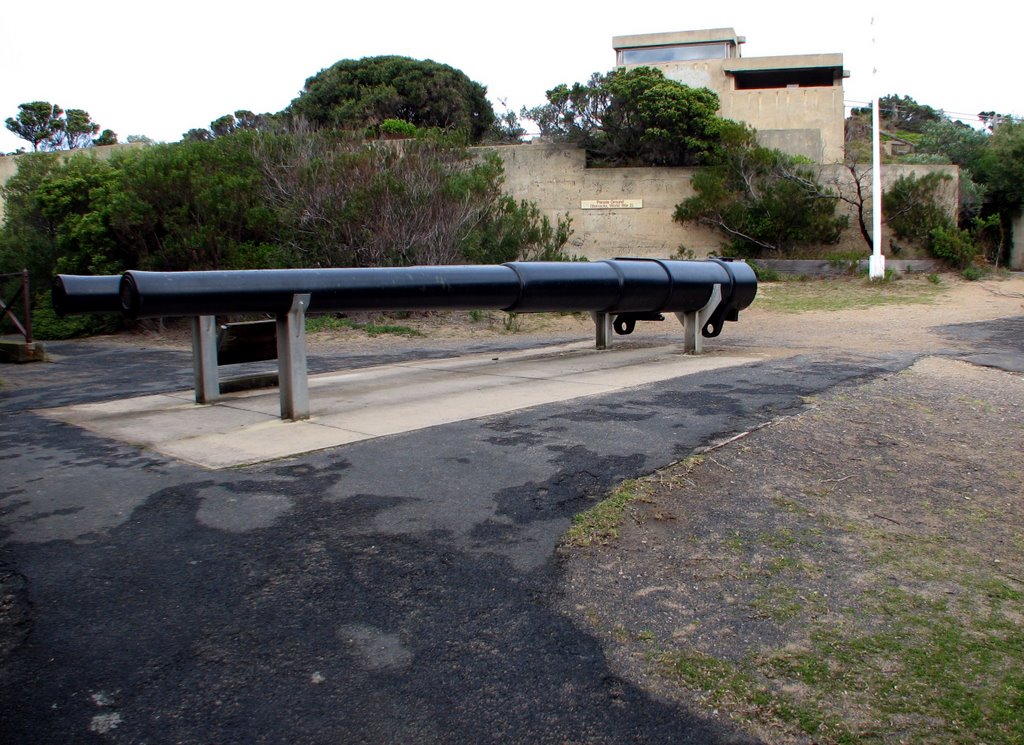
(949, 114)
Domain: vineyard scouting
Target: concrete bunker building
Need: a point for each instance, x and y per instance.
(795, 102)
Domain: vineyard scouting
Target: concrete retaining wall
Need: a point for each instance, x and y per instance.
(823, 268)
(618, 211)
(557, 179)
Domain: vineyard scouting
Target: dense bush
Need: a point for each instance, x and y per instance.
(354, 94)
(953, 245)
(633, 117)
(912, 206)
(261, 199)
(342, 201)
(46, 324)
(762, 201)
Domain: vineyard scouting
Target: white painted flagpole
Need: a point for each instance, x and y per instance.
(876, 265)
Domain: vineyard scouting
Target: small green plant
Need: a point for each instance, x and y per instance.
(935, 279)
(476, 316)
(764, 274)
(845, 260)
(513, 322)
(376, 329)
(973, 273)
(327, 323)
(954, 245)
(600, 523)
(684, 254)
(396, 128)
(333, 323)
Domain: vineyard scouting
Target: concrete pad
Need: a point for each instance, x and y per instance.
(155, 421)
(266, 440)
(348, 406)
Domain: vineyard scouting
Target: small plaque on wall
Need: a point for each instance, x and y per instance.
(612, 204)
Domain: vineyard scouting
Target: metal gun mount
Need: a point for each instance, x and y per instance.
(616, 292)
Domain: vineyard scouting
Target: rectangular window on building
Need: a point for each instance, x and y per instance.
(685, 53)
(813, 77)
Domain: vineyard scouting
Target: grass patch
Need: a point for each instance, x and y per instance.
(335, 323)
(930, 649)
(898, 665)
(377, 329)
(928, 673)
(600, 524)
(734, 687)
(927, 646)
(844, 294)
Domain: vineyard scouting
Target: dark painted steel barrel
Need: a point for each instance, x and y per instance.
(610, 286)
(74, 293)
(615, 286)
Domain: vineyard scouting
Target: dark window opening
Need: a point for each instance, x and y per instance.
(815, 77)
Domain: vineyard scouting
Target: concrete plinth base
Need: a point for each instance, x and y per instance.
(876, 266)
(19, 352)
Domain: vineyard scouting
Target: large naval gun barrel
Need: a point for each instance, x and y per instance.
(617, 292)
(620, 287)
(74, 293)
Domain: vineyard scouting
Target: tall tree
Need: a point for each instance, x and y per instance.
(1001, 169)
(360, 93)
(78, 129)
(48, 127)
(632, 117)
(107, 137)
(903, 113)
(39, 122)
(242, 119)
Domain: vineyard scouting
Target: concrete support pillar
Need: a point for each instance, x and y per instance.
(204, 358)
(603, 324)
(292, 369)
(693, 322)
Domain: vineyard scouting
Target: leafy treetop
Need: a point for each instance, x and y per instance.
(903, 113)
(361, 93)
(36, 122)
(1001, 167)
(633, 117)
(48, 127)
(240, 121)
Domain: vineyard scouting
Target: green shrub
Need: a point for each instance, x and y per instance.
(398, 129)
(953, 245)
(764, 274)
(47, 325)
(762, 201)
(912, 207)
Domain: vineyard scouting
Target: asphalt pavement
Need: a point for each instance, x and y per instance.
(396, 589)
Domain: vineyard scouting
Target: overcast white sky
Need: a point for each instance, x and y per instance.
(159, 69)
